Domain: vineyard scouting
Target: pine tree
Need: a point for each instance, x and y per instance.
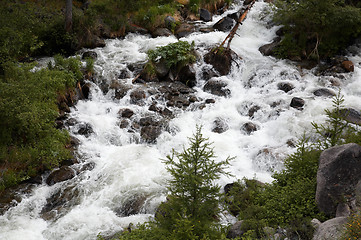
(193, 202)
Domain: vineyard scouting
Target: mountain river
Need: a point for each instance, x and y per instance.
(126, 169)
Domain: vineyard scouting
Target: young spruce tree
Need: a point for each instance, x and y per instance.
(193, 203)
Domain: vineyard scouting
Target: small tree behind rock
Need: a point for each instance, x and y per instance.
(193, 201)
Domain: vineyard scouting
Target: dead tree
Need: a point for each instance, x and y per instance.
(230, 36)
(68, 16)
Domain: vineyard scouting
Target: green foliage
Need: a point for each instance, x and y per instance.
(29, 141)
(336, 129)
(315, 26)
(154, 15)
(89, 67)
(289, 201)
(194, 197)
(175, 55)
(18, 32)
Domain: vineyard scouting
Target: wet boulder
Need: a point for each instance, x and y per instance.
(187, 75)
(205, 15)
(60, 202)
(120, 89)
(89, 54)
(137, 96)
(351, 115)
(12, 196)
(131, 206)
(85, 90)
(162, 32)
(249, 128)
(209, 101)
(150, 133)
(235, 16)
(338, 174)
(324, 92)
(224, 25)
(217, 87)
(222, 60)
(285, 86)
(85, 129)
(126, 113)
(268, 49)
(124, 73)
(348, 66)
(253, 110)
(184, 30)
(161, 69)
(208, 73)
(62, 174)
(297, 103)
(220, 125)
(146, 121)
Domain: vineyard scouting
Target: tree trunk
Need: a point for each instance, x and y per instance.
(68, 16)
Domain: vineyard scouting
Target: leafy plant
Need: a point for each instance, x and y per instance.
(176, 54)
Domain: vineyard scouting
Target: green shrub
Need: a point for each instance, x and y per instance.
(175, 55)
(289, 201)
(315, 26)
(29, 141)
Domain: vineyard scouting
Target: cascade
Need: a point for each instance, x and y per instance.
(123, 179)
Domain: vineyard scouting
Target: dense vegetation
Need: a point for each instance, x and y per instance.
(29, 141)
(317, 29)
(289, 201)
(33, 27)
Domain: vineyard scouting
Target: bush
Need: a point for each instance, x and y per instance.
(289, 201)
(29, 141)
(315, 26)
(175, 55)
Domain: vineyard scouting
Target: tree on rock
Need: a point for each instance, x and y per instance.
(193, 203)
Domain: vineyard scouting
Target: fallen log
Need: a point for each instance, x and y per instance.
(230, 36)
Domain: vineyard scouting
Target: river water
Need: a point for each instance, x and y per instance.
(127, 169)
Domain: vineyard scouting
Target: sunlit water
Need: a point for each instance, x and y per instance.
(126, 169)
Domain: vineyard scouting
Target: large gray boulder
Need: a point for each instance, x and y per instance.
(331, 229)
(338, 174)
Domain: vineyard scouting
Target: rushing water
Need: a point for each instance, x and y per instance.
(126, 169)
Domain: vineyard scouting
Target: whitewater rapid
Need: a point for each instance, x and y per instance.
(127, 169)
